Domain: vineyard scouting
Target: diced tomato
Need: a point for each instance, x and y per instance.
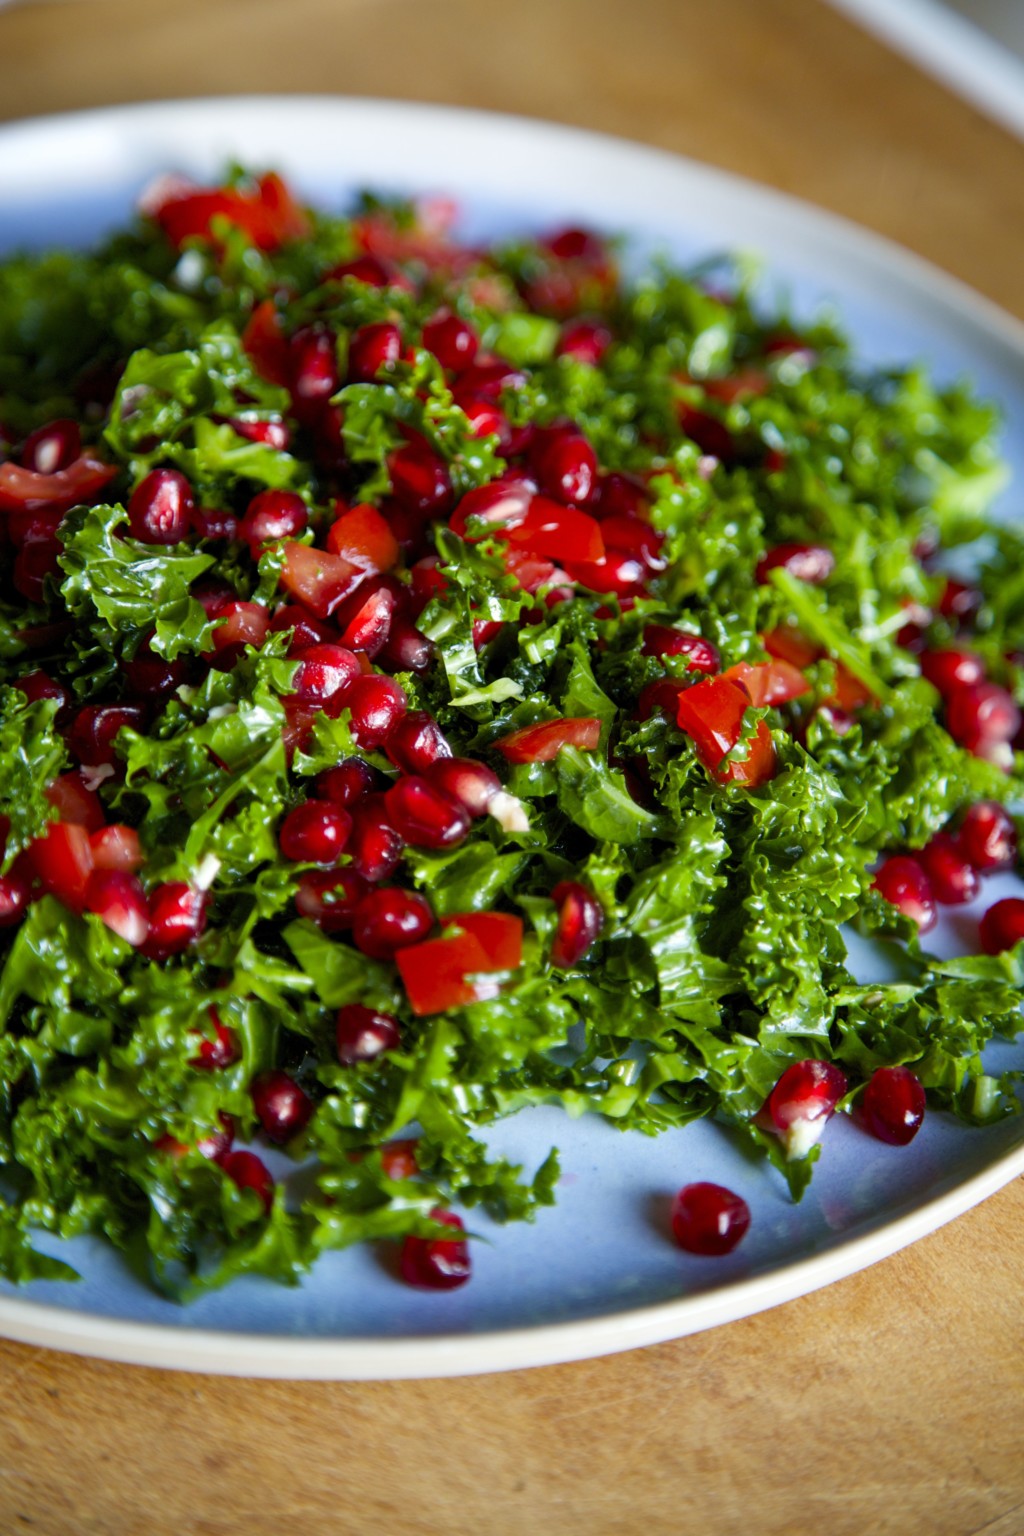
(268, 214)
(62, 860)
(562, 533)
(26, 490)
(264, 341)
(398, 1159)
(711, 713)
(849, 693)
(542, 743)
(770, 682)
(362, 536)
(75, 802)
(317, 578)
(789, 644)
(442, 973)
(117, 847)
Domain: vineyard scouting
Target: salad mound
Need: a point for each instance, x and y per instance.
(443, 679)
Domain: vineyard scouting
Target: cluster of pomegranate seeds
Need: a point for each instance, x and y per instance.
(949, 869)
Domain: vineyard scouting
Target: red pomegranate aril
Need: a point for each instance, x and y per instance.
(406, 649)
(346, 783)
(160, 508)
(984, 719)
(663, 640)
(959, 601)
(420, 480)
(149, 676)
(213, 597)
(580, 920)
(329, 897)
(452, 341)
(893, 1105)
(500, 503)
(365, 621)
(217, 1143)
(946, 670)
(273, 515)
(486, 630)
(630, 535)
(812, 563)
(52, 448)
(14, 897)
(177, 917)
(375, 704)
(416, 742)
(1002, 925)
(566, 467)
(362, 1033)
(618, 573)
(119, 900)
(74, 801)
(282, 1107)
(315, 832)
(988, 837)
(621, 495)
(433, 1263)
(488, 376)
(709, 1219)
(485, 418)
(427, 580)
(952, 876)
(371, 348)
(62, 862)
(903, 882)
(374, 847)
(586, 341)
(313, 365)
(218, 1051)
(40, 685)
(472, 784)
(95, 728)
(324, 672)
(802, 1101)
(424, 815)
(116, 847)
(269, 430)
(249, 1172)
(306, 628)
(388, 920)
(32, 565)
(365, 269)
(215, 524)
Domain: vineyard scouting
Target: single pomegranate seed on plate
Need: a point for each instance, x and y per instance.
(160, 508)
(903, 882)
(663, 640)
(315, 832)
(946, 670)
(984, 719)
(580, 920)
(436, 1264)
(420, 480)
(116, 847)
(585, 340)
(364, 1033)
(249, 1172)
(452, 341)
(74, 801)
(52, 448)
(388, 920)
(893, 1105)
(282, 1107)
(371, 348)
(375, 704)
(709, 1219)
(424, 815)
(329, 897)
(325, 673)
(40, 685)
(812, 563)
(94, 730)
(952, 876)
(14, 897)
(988, 837)
(273, 515)
(472, 784)
(119, 900)
(346, 783)
(62, 861)
(1002, 926)
(416, 742)
(375, 848)
(566, 466)
(802, 1102)
(218, 1052)
(177, 917)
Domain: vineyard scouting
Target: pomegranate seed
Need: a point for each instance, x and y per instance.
(952, 877)
(247, 1171)
(893, 1105)
(177, 917)
(580, 920)
(984, 719)
(281, 1106)
(452, 341)
(365, 269)
(903, 882)
(346, 783)
(709, 1219)
(273, 515)
(315, 832)
(62, 861)
(566, 466)
(489, 376)
(25, 527)
(959, 601)
(213, 597)
(365, 620)
(663, 640)
(74, 801)
(802, 1101)
(376, 704)
(416, 742)
(95, 728)
(116, 847)
(119, 900)
(840, 720)
(630, 535)
(325, 672)
(427, 579)
(32, 566)
(420, 480)
(372, 348)
(223, 1050)
(807, 562)
(40, 685)
(621, 496)
(14, 897)
(314, 367)
(946, 670)
(271, 431)
(436, 1263)
(365, 1033)
(238, 625)
(485, 418)
(388, 920)
(375, 848)
(215, 524)
(214, 1145)
(151, 677)
(406, 648)
(472, 784)
(501, 503)
(306, 628)
(662, 694)
(160, 508)
(988, 837)
(1002, 926)
(425, 816)
(329, 897)
(486, 630)
(586, 341)
(52, 448)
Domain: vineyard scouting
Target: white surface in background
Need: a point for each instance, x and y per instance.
(986, 69)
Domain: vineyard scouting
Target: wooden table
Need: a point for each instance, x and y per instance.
(890, 1402)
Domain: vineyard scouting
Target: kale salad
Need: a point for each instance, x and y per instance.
(440, 679)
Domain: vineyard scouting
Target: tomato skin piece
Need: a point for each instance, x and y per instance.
(499, 934)
(769, 682)
(787, 643)
(436, 972)
(850, 693)
(317, 578)
(711, 713)
(269, 216)
(542, 743)
(362, 536)
(26, 490)
(558, 532)
(265, 345)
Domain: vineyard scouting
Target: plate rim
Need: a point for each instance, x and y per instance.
(412, 1356)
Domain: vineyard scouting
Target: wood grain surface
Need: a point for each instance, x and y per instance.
(889, 1403)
